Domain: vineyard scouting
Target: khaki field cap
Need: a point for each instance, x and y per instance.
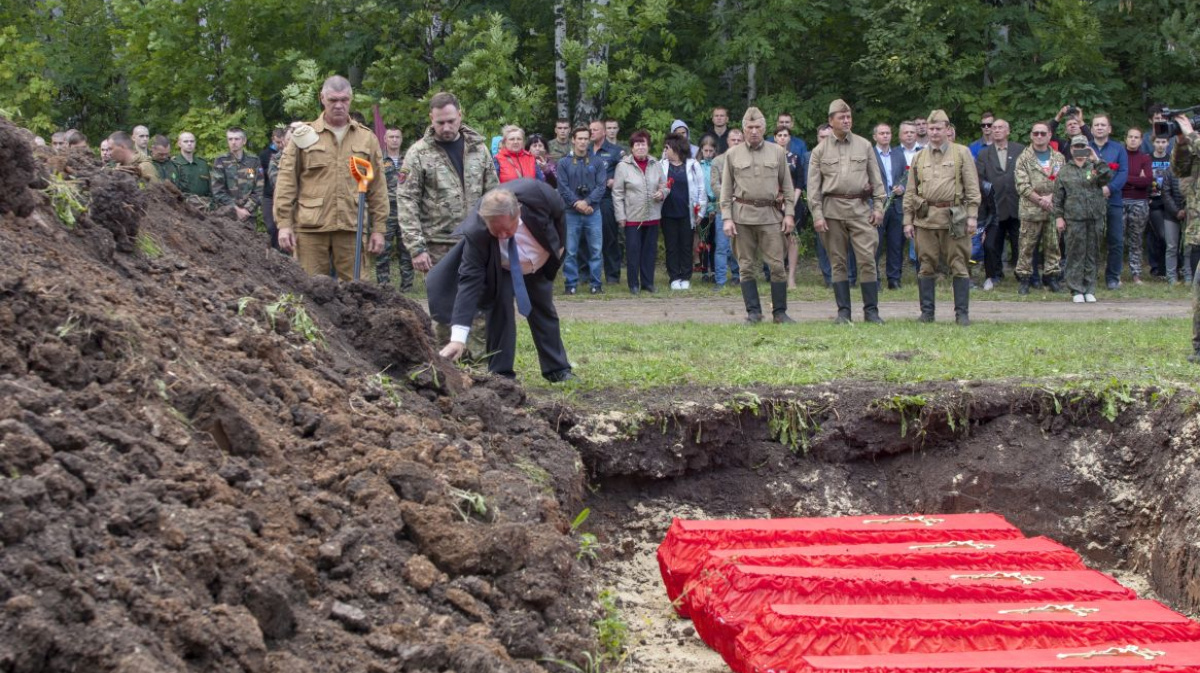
(837, 106)
(1079, 141)
(753, 114)
(304, 136)
(938, 116)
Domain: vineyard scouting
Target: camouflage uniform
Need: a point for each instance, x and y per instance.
(1185, 164)
(556, 150)
(165, 170)
(430, 199)
(1079, 199)
(1037, 225)
(237, 183)
(194, 179)
(392, 236)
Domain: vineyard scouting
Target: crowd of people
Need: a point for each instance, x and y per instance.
(726, 202)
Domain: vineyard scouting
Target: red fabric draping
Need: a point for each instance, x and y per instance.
(723, 604)
(1175, 658)
(781, 635)
(687, 542)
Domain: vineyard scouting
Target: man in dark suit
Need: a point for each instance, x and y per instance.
(525, 218)
(997, 164)
(892, 166)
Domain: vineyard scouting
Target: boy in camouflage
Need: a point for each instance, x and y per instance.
(1080, 209)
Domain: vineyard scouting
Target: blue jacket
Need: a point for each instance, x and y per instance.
(1114, 153)
(582, 178)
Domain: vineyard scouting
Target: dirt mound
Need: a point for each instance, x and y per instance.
(17, 170)
(212, 462)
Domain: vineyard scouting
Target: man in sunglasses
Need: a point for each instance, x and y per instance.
(1037, 170)
(985, 125)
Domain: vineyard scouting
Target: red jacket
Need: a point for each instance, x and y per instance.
(510, 166)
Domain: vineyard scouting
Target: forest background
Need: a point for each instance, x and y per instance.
(205, 65)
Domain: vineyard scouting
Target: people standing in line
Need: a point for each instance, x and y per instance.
(639, 188)
(1037, 168)
(893, 166)
(1113, 153)
(1136, 201)
(996, 164)
(1080, 208)
(682, 209)
(612, 241)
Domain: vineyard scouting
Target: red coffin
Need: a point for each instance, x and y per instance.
(686, 543)
(781, 635)
(722, 605)
(1116, 657)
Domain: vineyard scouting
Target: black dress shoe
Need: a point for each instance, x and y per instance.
(571, 290)
(561, 376)
(893, 285)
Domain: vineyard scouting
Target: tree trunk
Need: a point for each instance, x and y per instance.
(751, 82)
(591, 92)
(435, 32)
(562, 93)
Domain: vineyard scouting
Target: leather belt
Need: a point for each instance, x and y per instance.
(761, 203)
(942, 204)
(851, 197)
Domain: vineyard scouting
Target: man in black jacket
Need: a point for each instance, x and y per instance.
(525, 219)
(997, 164)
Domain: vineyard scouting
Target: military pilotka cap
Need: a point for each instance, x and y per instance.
(753, 114)
(304, 136)
(837, 106)
(938, 116)
(1079, 140)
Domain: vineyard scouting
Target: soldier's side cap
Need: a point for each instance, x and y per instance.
(938, 116)
(1079, 140)
(753, 114)
(304, 136)
(837, 106)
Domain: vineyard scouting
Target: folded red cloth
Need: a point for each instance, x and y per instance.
(782, 634)
(1115, 657)
(687, 542)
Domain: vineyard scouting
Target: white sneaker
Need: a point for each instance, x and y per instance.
(988, 285)
(1078, 299)
(1089, 298)
(685, 285)
(676, 285)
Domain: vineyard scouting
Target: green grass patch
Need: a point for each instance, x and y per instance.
(624, 356)
(148, 246)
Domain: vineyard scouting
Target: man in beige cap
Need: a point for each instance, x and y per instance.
(940, 207)
(757, 201)
(843, 179)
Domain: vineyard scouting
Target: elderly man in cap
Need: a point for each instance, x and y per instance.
(843, 183)
(940, 209)
(757, 201)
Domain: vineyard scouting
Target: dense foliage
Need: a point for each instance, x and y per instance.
(105, 64)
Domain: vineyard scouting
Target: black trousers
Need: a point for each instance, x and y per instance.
(1156, 240)
(612, 243)
(543, 324)
(677, 239)
(641, 250)
(993, 248)
(891, 242)
(268, 214)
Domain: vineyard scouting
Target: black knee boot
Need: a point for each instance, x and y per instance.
(925, 290)
(962, 301)
(841, 295)
(750, 297)
(779, 303)
(870, 297)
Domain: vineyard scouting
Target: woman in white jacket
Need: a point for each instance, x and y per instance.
(682, 209)
(639, 187)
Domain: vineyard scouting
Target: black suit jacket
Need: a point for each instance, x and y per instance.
(1003, 179)
(898, 168)
(469, 275)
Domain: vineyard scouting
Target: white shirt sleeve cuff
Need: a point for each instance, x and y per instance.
(458, 333)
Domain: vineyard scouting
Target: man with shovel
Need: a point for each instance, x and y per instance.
(316, 194)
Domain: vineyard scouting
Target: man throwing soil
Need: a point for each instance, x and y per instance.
(316, 197)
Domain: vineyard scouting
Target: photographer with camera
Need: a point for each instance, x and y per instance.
(1186, 164)
(1072, 117)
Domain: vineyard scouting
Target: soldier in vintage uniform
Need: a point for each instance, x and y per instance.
(1036, 170)
(1080, 211)
(843, 183)
(316, 196)
(237, 179)
(1186, 166)
(193, 176)
(940, 209)
(129, 160)
(757, 201)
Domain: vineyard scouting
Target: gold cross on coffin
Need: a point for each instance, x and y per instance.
(1069, 607)
(1132, 650)
(921, 518)
(955, 544)
(1023, 579)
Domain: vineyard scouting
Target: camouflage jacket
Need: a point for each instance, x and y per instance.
(1078, 191)
(430, 199)
(1034, 180)
(390, 170)
(193, 177)
(1185, 164)
(237, 183)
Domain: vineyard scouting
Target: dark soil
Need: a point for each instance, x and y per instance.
(187, 483)
(1120, 491)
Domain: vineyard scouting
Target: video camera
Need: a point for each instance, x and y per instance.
(1170, 127)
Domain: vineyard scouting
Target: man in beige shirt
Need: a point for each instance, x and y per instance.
(757, 201)
(943, 186)
(843, 178)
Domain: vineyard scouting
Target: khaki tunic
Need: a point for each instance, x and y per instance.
(845, 167)
(943, 174)
(315, 191)
(144, 166)
(756, 174)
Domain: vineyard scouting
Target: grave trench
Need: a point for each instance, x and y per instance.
(1115, 482)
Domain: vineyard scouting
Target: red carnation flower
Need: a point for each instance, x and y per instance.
(670, 182)
(1114, 166)
(1052, 177)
